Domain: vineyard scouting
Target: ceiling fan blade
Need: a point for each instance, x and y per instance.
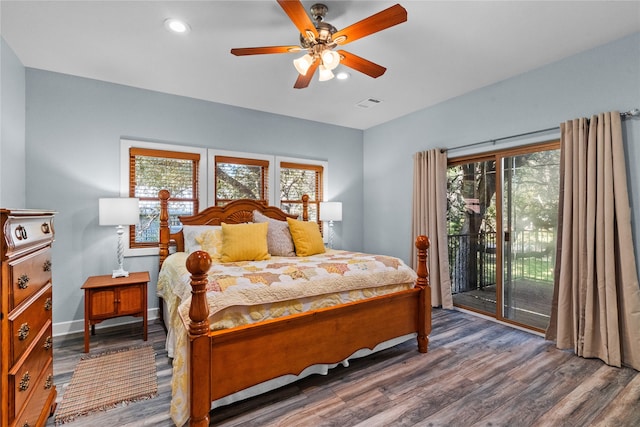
(304, 80)
(380, 21)
(297, 13)
(241, 51)
(360, 64)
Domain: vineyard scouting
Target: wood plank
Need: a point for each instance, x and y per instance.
(477, 373)
(591, 397)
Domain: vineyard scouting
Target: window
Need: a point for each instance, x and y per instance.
(297, 179)
(197, 178)
(148, 167)
(240, 178)
(151, 171)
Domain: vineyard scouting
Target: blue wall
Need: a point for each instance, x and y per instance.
(12, 129)
(602, 79)
(74, 126)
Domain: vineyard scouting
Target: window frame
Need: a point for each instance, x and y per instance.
(125, 174)
(304, 162)
(212, 153)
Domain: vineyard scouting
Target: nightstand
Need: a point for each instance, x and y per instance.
(106, 297)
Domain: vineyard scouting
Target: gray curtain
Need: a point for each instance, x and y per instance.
(596, 303)
(430, 218)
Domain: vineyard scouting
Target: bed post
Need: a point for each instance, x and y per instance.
(422, 282)
(164, 224)
(198, 265)
(305, 207)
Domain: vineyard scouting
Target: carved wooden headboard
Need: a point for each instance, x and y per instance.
(236, 212)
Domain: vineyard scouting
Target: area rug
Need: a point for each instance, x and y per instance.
(104, 381)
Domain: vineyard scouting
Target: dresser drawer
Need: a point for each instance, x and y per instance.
(27, 322)
(28, 275)
(23, 232)
(34, 407)
(24, 378)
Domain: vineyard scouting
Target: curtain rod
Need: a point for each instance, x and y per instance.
(631, 113)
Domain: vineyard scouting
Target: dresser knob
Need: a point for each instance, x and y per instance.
(24, 382)
(45, 228)
(49, 382)
(48, 343)
(47, 265)
(47, 304)
(20, 232)
(23, 281)
(23, 332)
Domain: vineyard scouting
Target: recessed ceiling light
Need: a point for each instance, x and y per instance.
(342, 75)
(176, 26)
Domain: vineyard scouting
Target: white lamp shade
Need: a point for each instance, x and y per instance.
(303, 63)
(119, 211)
(330, 59)
(330, 211)
(325, 74)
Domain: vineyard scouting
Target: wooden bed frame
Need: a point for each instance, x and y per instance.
(226, 361)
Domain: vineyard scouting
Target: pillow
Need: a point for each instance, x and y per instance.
(244, 242)
(206, 238)
(306, 237)
(279, 238)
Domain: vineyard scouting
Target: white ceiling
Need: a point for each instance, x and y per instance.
(445, 48)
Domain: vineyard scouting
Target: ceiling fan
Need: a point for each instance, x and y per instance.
(318, 41)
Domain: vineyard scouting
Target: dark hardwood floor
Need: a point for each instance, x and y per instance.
(477, 373)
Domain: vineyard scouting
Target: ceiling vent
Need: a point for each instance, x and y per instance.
(368, 103)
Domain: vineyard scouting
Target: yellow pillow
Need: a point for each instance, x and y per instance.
(306, 237)
(244, 242)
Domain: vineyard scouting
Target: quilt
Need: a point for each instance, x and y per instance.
(242, 293)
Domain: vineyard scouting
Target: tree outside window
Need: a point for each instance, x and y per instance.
(151, 171)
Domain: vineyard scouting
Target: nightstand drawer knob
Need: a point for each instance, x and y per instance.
(49, 382)
(23, 332)
(23, 281)
(24, 382)
(47, 304)
(48, 343)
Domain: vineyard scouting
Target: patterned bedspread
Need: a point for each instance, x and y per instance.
(247, 292)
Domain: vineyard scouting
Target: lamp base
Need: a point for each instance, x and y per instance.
(120, 273)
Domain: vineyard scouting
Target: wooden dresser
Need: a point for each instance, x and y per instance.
(26, 367)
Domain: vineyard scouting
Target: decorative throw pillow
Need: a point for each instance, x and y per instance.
(244, 242)
(279, 238)
(306, 237)
(206, 238)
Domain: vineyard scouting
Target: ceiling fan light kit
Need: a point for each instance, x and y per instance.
(320, 38)
(324, 74)
(303, 63)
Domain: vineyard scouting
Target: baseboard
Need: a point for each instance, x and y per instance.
(77, 326)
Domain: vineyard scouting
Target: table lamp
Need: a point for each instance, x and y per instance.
(331, 211)
(119, 211)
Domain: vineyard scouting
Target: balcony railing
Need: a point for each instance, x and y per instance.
(472, 258)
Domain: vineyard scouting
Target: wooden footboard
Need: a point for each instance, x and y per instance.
(223, 362)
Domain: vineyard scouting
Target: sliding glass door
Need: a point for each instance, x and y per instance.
(502, 225)
(529, 214)
(472, 234)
